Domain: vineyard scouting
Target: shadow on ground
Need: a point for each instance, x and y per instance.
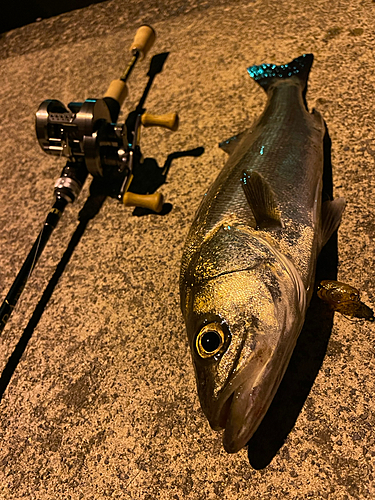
(308, 354)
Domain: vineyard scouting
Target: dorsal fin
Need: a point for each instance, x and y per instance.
(261, 200)
(230, 144)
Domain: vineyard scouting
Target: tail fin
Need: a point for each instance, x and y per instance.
(266, 74)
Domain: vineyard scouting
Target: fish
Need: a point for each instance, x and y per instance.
(248, 264)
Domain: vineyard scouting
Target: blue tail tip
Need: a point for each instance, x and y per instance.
(295, 67)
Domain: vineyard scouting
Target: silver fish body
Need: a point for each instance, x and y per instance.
(249, 261)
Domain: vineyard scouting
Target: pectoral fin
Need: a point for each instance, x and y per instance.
(331, 217)
(261, 200)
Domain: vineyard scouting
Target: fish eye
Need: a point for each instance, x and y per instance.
(210, 340)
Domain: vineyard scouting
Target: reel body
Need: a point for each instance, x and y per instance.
(82, 130)
(83, 133)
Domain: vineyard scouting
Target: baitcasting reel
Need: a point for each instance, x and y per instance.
(89, 137)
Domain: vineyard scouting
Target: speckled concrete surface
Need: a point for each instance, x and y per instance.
(103, 403)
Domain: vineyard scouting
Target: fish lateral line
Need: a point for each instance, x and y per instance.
(227, 273)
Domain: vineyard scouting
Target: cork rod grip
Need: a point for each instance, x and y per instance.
(143, 41)
(117, 90)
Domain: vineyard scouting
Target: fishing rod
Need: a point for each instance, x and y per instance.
(88, 135)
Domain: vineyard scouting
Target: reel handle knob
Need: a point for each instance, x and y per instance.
(151, 201)
(143, 41)
(169, 121)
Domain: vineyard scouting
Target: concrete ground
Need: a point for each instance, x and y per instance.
(103, 402)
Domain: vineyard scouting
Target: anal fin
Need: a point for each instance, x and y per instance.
(261, 200)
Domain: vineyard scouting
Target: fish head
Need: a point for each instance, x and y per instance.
(242, 328)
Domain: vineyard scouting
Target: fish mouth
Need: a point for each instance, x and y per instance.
(239, 411)
(239, 417)
(243, 404)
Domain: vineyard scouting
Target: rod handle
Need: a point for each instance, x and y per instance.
(143, 41)
(151, 201)
(169, 121)
(117, 90)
